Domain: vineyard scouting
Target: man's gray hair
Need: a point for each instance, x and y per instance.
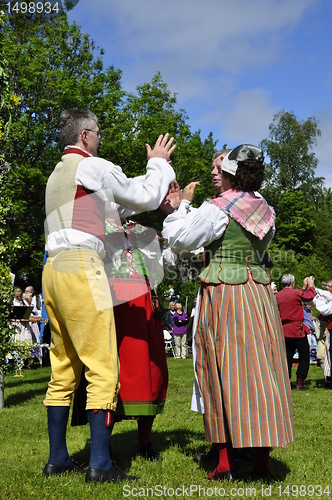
(72, 122)
(287, 279)
(220, 152)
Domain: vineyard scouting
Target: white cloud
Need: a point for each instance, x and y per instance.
(180, 38)
(249, 117)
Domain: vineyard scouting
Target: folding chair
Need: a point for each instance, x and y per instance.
(168, 339)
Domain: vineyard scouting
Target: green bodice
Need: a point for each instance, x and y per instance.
(234, 255)
(123, 266)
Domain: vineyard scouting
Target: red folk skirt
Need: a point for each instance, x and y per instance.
(141, 349)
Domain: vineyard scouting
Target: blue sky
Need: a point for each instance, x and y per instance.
(233, 63)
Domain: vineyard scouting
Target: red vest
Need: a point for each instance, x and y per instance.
(72, 206)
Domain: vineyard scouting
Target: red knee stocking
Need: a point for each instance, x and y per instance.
(226, 457)
(144, 430)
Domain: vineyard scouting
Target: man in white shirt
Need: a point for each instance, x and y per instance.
(75, 287)
(323, 304)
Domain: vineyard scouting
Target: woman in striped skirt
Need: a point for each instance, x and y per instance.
(241, 362)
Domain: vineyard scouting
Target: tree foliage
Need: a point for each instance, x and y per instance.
(292, 162)
(6, 104)
(298, 197)
(294, 223)
(326, 201)
(52, 66)
(322, 237)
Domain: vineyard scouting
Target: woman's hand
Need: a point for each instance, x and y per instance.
(188, 192)
(172, 200)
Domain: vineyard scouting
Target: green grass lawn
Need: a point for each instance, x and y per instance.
(178, 434)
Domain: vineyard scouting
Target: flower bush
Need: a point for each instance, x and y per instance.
(5, 307)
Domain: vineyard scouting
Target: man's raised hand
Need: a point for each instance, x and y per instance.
(162, 149)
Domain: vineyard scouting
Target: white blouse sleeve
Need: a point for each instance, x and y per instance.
(138, 194)
(190, 228)
(325, 308)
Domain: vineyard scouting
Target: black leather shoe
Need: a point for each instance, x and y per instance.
(149, 452)
(51, 470)
(111, 475)
(211, 456)
(266, 476)
(230, 475)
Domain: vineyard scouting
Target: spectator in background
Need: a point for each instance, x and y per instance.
(193, 311)
(291, 312)
(274, 288)
(17, 297)
(170, 294)
(169, 317)
(34, 317)
(36, 299)
(308, 321)
(33, 325)
(190, 325)
(323, 304)
(321, 339)
(180, 332)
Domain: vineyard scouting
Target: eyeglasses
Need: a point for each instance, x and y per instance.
(98, 134)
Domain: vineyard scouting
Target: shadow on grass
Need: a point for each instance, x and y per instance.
(19, 381)
(22, 397)
(125, 445)
(319, 384)
(31, 385)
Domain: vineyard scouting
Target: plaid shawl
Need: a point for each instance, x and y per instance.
(251, 212)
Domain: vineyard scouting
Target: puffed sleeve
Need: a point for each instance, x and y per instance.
(190, 229)
(138, 194)
(325, 308)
